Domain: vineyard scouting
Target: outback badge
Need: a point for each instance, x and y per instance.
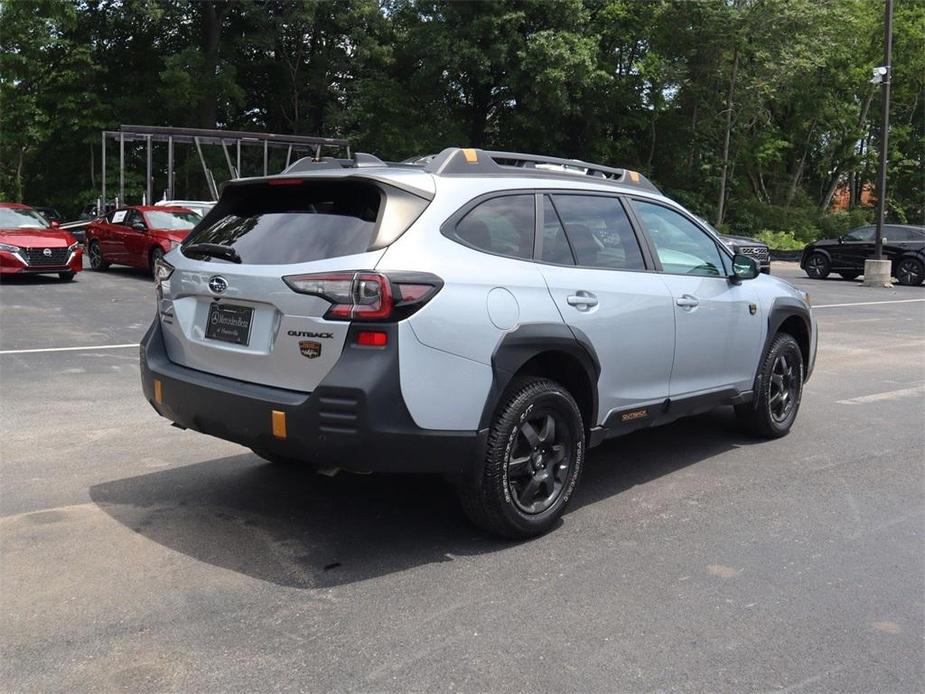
(310, 349)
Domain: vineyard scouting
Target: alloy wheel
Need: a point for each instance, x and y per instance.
(540, 462)
(909, 272)
(816, 266)
(783, 388)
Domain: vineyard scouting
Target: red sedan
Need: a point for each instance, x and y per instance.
(137, 236)
(29, 244)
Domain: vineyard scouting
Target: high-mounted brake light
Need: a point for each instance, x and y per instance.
(284, 181)
(368, 296)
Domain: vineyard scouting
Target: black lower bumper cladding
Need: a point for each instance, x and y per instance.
(355, 419)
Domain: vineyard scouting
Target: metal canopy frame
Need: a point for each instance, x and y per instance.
(150, 134)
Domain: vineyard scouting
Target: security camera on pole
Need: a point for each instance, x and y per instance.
(877, 271)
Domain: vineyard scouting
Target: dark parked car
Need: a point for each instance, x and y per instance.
(754, 249)
(903, 244)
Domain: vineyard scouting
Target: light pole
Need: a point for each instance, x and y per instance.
(877, 271)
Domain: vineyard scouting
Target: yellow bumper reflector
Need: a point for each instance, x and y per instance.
(279, 424)
(158, 391)
(471, 156)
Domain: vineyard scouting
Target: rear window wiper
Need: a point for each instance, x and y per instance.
(216, 250)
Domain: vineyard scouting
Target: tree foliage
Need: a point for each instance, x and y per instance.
(752, 112)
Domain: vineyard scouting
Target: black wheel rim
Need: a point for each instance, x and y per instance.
(95, 256)
(816, 265)
(909, 272)
(783, 387)
(540, 462)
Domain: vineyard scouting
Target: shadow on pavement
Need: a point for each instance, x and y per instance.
(300, 529)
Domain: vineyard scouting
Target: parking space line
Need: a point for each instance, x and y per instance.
(888, 395)
(68, 349)
(870, 303)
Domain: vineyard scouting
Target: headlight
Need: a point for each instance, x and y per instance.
(162, 271)
(8, 248)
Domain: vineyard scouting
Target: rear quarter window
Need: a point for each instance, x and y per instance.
(502, 225)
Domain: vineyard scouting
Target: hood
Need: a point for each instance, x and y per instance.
(36, 238)
(169, 234)
(741, 240)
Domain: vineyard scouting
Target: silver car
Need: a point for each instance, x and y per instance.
(487, 316)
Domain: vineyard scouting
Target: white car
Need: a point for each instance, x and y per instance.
(470, 315)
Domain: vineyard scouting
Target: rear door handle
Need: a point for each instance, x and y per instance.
(582, 300)
(687, 301)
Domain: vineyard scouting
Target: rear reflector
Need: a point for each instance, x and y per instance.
(372, 338)
(158, 392)
(279, 424)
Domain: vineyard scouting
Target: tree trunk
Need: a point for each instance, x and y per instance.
(798, 173)
(210, 33)
(721, 206)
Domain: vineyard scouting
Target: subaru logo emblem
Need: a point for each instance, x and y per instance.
(47, 252)
(218, 284)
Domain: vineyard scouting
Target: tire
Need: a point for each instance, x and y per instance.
(156, 255)
(531, 467)
(778, 390)
(817, 266)
(96, 257)
(910, 272)
(850, 275)
(67, 276)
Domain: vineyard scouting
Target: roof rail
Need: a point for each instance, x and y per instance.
(457, 160)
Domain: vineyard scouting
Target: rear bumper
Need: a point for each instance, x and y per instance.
(355, 419)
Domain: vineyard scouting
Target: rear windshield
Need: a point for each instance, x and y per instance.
(292, 223)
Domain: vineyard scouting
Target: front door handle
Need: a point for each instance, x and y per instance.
(582, 300)
(687, 301)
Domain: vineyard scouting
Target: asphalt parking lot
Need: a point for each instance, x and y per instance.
(141, 558)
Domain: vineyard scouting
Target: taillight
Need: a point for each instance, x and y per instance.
(368, 296)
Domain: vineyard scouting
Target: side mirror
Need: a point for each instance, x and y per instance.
(841, 239)
(744, 268)
(54, 224)
(138, 226)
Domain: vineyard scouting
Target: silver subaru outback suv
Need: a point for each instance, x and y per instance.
(487, 316)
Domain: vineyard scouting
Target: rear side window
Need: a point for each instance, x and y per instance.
(599, 232)
(294, 223)
(503, 226)
(555, 244)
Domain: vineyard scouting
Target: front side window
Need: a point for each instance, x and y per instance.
(862, 235)
(503, 226)
(682, 247)
(599, 231)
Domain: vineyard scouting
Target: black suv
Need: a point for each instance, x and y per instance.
(903, 244)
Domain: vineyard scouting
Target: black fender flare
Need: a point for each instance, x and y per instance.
(784, 308)
(520, 345)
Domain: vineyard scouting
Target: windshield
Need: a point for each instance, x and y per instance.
(21, 218)
(172, 221)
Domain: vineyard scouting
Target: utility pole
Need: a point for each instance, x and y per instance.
(877, 271)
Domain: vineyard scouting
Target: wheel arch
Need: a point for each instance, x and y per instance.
(791, 317)
(550, 350)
